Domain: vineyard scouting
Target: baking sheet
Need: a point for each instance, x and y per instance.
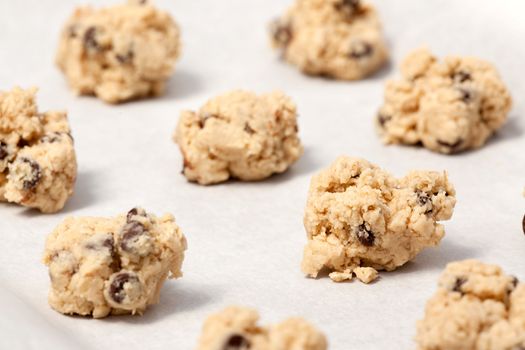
(246, 239)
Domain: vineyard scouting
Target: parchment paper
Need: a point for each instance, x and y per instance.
(246, 239)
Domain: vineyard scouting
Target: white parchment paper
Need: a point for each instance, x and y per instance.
(246, 239)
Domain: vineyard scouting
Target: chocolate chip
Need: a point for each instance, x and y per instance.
(117, 290)
(135, 239)
(282, 33)
(461, 76)
(348, 7)
(102, 242)
(466, 95)
(4, 152)
(514, 282)
(460, 281)
(51, 138)
(452, 146)
(248, 129)
(424, 200)
(134, 212)
(90, 40)
(22, 143)
(365, 236)
(360, 49)
(125, 58)
(383, 119)
(32, 179)
(237, 342)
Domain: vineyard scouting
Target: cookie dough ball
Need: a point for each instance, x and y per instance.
(236, 328)
(102, 266)
(120, 52)
(476, 306)
(239, 135)
(360, 219)
(342, 39)
(449, 106)
(38, 165)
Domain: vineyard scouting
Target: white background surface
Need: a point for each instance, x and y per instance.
(246, 239)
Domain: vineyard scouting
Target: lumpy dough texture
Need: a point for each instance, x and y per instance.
(38, 165)
(449, 106)
(360, 219)
(476, 307)
(342, 39)
(239, 135)
(102, 266)
(236, 328)
(119, 53)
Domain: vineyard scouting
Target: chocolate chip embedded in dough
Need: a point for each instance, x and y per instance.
(134, 212)
(3, 150)
(365, 236)
(248, 129)
(465, 95)
(282, 33)
(33, 177)
(90, 40)
(124, 287)
(360, 49)
(452, 146)
(126, 57)
(513, 284)
(101, 242)
(22, 143)
(458, 284)
(424, 200)
(382, 119)
(135, 239)
(237, 342)
(51, 137)
(348, 7)
(461, 76)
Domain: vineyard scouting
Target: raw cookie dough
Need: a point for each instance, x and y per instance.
(476, 307)
(239, 135)
(342, 39)
(235, 328)
(102, 266)
(448, 106)
(38, 165)
(360, 219)
(120, 52)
